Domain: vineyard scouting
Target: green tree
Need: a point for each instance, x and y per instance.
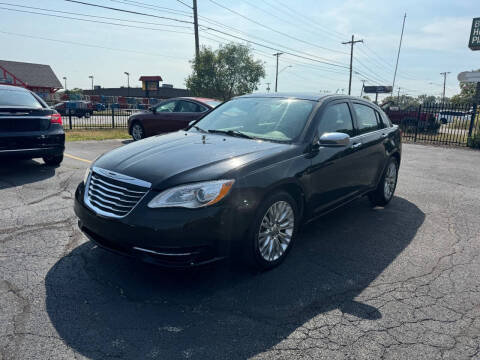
(467, 94)
(224, 73)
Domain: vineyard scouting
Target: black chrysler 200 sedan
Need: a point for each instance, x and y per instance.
(239, 181)
(28, 127)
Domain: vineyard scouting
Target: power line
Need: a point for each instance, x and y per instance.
(94, 21)
(274, 30)
(94, 16)
(87, 45)
(181, 2)
(289, 11)
(153, 7)
(283, 20)
(306, 56)
(128, 11)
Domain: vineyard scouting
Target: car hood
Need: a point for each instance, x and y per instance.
(183, 157)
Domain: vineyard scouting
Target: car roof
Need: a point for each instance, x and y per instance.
(202, 100)
(13, 87)
(301, 96)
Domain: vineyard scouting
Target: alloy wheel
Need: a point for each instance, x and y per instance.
(276, 231)
(390, 180)
(137, 132)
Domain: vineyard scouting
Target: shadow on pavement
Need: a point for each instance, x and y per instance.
(105, 305)
(17, 172)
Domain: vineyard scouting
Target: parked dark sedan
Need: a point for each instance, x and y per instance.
(28, 127)
(241, 180)
(75, 108)
(168, 116)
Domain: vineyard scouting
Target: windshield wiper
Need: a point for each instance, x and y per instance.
(231, 133)
(199, 129)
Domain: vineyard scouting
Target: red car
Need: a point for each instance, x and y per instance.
(168, 116)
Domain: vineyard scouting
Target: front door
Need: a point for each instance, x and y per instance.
(334, 170)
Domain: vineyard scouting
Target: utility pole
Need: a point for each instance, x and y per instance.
(398, 96)
(351, 42)
(398, 54)
(363, 85)
(276, 73)
(195, 24)
(444, 83)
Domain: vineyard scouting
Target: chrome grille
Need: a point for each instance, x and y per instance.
(112, 194)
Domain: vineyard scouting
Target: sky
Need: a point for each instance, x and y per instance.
(435, 40)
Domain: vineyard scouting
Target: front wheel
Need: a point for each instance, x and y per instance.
(382, 195)
(273, 231)
(138, 133)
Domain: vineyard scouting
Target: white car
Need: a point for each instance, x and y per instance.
(449, 116)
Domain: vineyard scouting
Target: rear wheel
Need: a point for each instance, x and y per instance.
(138, 132)
(382, 195)
(273, 231)
(53, 160)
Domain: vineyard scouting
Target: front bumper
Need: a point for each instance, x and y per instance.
(166, 237)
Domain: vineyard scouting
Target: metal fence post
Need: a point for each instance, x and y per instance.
(472, 120)
(419, 112)
(70, 120)
(113, 117)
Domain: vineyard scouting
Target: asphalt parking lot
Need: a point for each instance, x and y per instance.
(401, 282)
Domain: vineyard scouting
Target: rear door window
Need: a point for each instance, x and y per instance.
(367, 120)
(18, 98)
(188, 106)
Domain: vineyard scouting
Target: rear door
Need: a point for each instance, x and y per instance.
(371, 149)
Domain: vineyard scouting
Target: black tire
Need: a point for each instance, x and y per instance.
(53, 160)
(379, 196)
(252, 253)
(141, 131)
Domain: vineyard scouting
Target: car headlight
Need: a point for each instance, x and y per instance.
(85, 177)
(193, 195)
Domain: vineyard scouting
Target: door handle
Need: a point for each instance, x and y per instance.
(384, 136)
(356, 145)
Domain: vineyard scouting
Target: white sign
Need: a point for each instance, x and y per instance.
(469, 76)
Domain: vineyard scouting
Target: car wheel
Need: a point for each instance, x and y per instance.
(138, 132)
(273, 231)
(382, 195)
(53, 160)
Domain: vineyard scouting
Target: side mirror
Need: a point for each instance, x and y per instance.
(334, 139)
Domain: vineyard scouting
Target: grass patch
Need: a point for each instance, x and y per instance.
(96, 134)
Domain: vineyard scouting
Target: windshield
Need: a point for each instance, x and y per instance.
(21, 98)
(264, 118)
(213, 103)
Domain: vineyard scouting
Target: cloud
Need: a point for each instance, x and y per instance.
(444, 34)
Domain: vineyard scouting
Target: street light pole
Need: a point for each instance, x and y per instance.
(65, 79)
(128, 82)
(91, 77)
